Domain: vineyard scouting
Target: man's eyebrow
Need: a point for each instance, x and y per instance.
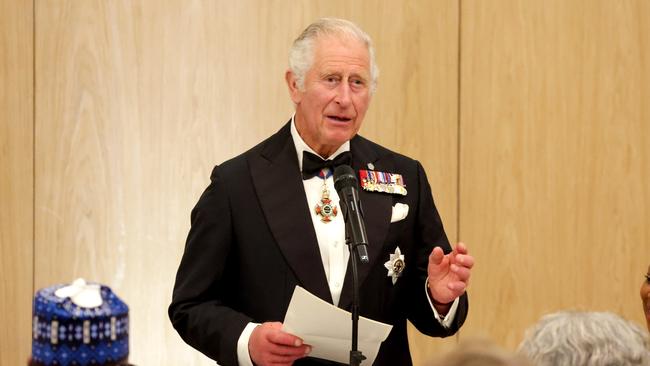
(329, 73)
(360, 75)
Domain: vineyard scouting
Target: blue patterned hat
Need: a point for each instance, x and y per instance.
(79, 324)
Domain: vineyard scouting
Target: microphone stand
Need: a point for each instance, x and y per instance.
(356, 356)
(345, 183)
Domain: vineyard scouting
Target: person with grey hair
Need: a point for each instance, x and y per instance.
(577, 338)
(269, 222)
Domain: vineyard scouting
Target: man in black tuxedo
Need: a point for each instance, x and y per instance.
(268, 222)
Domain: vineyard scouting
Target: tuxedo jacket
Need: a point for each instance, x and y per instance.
(252, 241)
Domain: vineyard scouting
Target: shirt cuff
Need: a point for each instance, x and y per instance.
(243, 357)
(445, 320)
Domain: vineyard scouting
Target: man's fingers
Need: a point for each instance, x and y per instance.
(284, 353)
(278, 350)
(282, 338)
(457, 286)
(281, 355)
(461, 248)
(436, 256)
(286, 344)
(464, 260)
(463, 273)
(270, 345)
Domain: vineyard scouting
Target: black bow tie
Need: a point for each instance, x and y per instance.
(313, 164)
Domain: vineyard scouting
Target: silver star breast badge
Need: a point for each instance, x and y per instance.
(395, 265)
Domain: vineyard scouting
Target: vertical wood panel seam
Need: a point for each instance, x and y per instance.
(458, 118)
(33, 146)
(458, 135)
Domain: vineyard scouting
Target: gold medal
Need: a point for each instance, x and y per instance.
(325, 209)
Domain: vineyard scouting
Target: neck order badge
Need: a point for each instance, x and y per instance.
(325, 209)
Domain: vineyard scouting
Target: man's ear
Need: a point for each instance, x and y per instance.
(292, 83)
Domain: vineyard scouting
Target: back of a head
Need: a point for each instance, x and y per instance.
(480, 353)
(574, 338)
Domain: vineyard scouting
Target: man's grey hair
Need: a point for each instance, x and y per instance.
(301, 54)
(574, 338)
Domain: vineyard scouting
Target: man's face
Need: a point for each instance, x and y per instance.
(336, 94)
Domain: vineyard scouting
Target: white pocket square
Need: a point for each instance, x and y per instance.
(400, 211)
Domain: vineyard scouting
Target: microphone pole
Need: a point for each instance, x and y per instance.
(346, 184)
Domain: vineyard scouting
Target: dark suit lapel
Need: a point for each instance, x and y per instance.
(377, 209)
(281, 194)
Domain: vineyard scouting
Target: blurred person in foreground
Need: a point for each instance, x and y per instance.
(480, 352)
(577, 338)
(268, 222)
(645, 297)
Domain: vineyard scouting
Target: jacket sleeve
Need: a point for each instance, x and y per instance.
(200, 310)
(429, 234)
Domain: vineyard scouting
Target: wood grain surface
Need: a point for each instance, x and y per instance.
(555, 132)
(16, 180)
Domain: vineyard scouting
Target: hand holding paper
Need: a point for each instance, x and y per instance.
(328, 329)
(269, 345)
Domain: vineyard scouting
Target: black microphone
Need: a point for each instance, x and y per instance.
(346, 184)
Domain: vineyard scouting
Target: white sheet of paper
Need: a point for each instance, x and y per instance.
(328, 329)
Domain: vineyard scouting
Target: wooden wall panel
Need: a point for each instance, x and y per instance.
(555, 132)
(16, 180)
(136, 101)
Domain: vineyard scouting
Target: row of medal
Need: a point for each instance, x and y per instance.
(382, 182)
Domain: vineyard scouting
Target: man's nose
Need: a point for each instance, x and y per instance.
(343, 95)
